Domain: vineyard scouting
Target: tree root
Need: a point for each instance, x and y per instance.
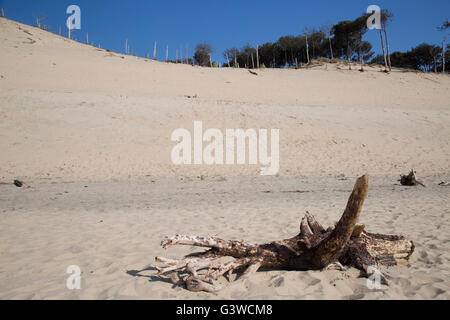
(410, 179)
(314, 248)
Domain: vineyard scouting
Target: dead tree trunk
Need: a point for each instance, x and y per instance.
(314, 248)
(384, 52)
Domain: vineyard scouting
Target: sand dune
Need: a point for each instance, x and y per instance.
(89, 130)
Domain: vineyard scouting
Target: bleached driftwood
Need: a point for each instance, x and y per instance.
(314, 248)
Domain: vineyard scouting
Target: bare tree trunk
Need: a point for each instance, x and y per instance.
(388, 54)
(313, 248)
(257, 57)
(348, 57)
(167, 53)
(154, 51)
(228, 61)
(360, 58)
(181, 54)
(307, 47)
(443, 56)
(384, 51)
(361, 61)
(331, 47)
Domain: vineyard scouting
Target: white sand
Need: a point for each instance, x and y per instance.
(90, 132)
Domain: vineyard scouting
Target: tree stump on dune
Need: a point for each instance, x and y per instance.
(314, 248)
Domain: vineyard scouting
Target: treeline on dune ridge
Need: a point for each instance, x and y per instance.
(343, 40)
(338, 42)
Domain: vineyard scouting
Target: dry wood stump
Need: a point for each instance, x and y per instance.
(314, 248)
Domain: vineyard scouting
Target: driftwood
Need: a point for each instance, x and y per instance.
(17, 183)
(410, 179)
(314, 248)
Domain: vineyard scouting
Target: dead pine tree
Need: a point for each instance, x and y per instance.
(3, 13)
(39, 20)
(307, 45)
(257, 57)
(327, 29)
(386, 18)
(154, 51)
(443, 55)
(314, 248)
(181, 54)
(444, 27)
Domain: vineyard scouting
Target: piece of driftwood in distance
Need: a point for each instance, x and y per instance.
(410, 179)
(314, 248)
(18, 183)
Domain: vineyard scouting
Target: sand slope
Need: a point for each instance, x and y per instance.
(90, 130)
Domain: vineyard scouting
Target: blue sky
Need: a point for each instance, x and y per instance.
(225, 24)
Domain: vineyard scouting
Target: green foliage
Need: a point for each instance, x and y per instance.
(425, 57)
(346, 39)
(202, 54)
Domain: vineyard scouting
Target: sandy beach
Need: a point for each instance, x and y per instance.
(89, 133)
